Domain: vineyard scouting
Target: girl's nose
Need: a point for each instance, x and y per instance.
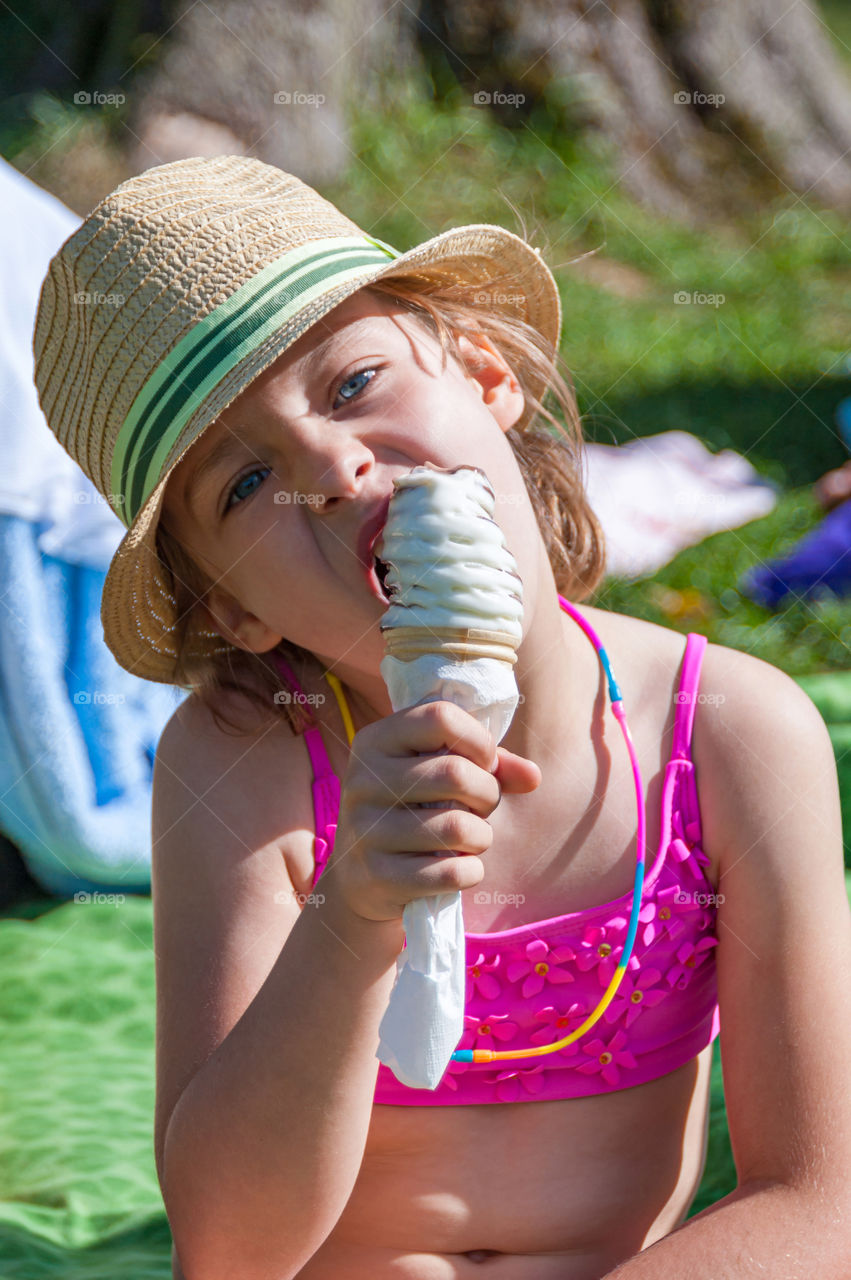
(332, 471)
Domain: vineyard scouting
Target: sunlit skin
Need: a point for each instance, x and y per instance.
(291, 569)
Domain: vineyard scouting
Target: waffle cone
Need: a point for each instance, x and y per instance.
(462, 644)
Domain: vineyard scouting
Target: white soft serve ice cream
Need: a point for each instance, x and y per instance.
(451, 633)
(448, 565)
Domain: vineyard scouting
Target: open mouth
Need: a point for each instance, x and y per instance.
(381, 570)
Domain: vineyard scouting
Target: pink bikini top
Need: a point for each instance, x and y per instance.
(533, 984)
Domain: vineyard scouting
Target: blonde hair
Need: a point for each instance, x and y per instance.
(549, 457)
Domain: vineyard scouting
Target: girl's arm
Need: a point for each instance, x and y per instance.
(270, 1048)
(769, 801)
(267, 1015)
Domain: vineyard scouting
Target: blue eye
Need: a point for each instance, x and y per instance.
(238, 486)
(353, 386)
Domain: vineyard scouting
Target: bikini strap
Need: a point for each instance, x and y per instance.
(325, 788)
(687, 695)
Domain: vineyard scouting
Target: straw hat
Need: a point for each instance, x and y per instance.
(181, 287)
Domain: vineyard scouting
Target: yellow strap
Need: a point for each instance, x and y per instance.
(342, 704)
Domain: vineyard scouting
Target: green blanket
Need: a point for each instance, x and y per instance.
(78, 1187)
(78, 1190)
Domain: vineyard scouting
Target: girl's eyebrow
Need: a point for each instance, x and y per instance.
(349, 333)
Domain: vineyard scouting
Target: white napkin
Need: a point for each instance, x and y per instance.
(424, 1019)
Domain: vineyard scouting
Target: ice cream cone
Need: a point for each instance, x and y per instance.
(457, 644)
(451, 633)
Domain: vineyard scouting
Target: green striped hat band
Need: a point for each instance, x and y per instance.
(217, 344)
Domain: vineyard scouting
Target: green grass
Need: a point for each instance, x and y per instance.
(697, 591)
(783, 274)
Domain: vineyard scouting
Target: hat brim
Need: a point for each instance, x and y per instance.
(138, 611)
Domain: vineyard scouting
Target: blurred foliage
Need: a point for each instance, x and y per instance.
(760, 372)
(782, 275)
(697, 591)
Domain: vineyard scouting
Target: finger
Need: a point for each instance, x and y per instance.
(432, 727)
(430, 831)
(414, 876)
(436, 778)
(516, 774)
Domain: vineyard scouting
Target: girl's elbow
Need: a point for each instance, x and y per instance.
(207, 1259)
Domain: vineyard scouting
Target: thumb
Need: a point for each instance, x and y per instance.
(516, 773)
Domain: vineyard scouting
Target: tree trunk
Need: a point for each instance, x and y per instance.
(704, 104)
(268, 78)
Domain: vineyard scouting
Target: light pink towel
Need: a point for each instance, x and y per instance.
(658, 494)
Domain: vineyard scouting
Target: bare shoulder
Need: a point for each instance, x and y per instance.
(754, 707)
(762, 753)
(258, 777)
(756, 731)
(730, 678)
(738, 670)
(751, 720)
(232, 842)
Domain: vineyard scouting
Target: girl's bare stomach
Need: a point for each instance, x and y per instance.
(561, 1190)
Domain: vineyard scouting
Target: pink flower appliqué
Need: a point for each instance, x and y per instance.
(694, 857)
(689, 831)
(509, 1084)
(672, 911)
(607, 1059)
(484, 1031)
(690, 957)
(634, 995)
(481, 974)
(540, 966)
(685, 846)
(478, 1033)
(557, 1024)
(602, 945)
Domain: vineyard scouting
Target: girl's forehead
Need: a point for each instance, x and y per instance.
(354, 315)
(362, 305)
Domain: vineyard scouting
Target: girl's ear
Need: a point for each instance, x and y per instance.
(500, 389)
(234, 624)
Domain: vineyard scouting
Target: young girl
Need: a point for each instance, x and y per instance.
(244, 373)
